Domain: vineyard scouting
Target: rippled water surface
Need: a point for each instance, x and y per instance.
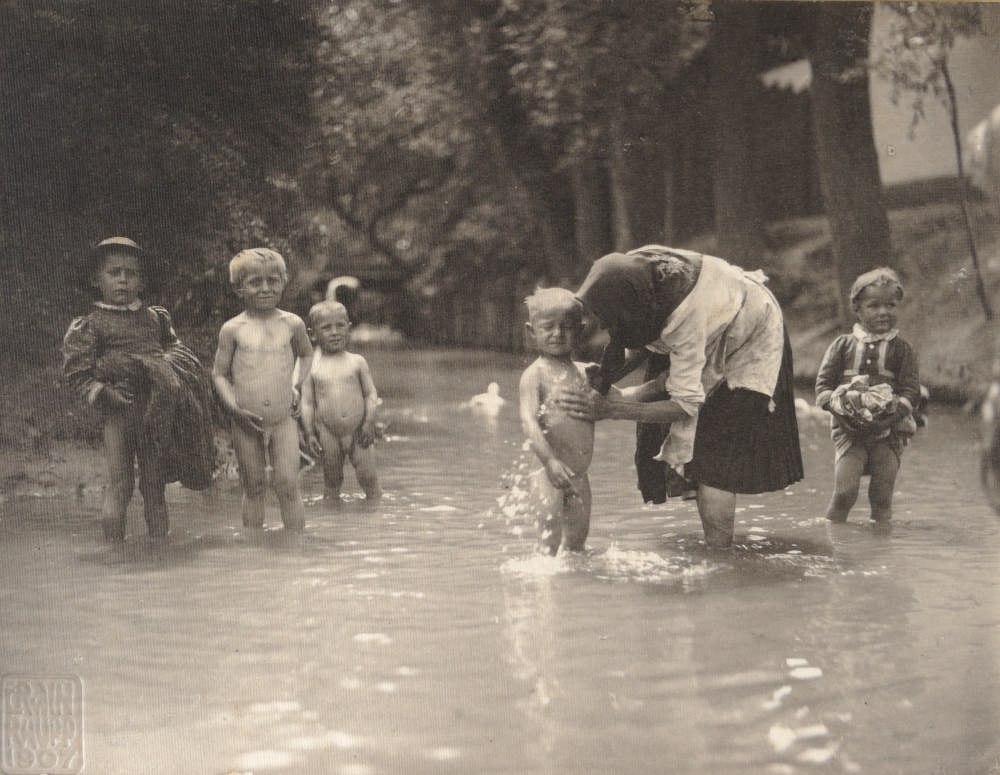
(427, 637)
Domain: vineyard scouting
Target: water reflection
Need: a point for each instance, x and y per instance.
(428, 636)
(530, 623)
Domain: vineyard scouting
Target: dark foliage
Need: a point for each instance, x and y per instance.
(173, 122)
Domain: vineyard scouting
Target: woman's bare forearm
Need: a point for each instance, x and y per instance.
(646, 392)
(627, 408)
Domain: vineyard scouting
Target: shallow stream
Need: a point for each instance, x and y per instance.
(426, 636)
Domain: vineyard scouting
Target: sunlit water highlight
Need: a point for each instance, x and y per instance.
(426, 636)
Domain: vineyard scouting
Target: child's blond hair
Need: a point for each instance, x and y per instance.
(548, 299)
(882, 276)
(242, 261)
(322, 308)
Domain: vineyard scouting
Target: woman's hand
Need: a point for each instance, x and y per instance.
(582, 403)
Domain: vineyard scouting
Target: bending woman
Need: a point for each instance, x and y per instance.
(727, 396)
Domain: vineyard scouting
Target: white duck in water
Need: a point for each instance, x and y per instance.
(489, 402)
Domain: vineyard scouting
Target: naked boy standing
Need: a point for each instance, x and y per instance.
(253, 375)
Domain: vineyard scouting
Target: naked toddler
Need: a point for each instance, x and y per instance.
(560, 490)
(338, 404)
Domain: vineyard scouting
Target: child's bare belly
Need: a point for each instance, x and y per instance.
(269, 396)
(571, 440)
(341, 412)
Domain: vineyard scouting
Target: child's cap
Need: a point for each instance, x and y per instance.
(96, 254)
(118, 242)
(883, 275)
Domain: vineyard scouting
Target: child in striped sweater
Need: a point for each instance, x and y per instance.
(874, 350)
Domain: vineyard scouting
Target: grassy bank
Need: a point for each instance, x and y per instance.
(942, 316)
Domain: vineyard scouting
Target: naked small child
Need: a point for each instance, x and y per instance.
(338, 404)
(560, 490)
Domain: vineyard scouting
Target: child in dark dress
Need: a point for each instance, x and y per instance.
(126, 361)
(872, 355)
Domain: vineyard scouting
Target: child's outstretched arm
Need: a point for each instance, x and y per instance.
(222, 379)
(529, 402)
(367, 433)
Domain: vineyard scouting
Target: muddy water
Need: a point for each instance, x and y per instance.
(426, 637)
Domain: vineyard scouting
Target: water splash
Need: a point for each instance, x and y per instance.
(617, 564)
(517, 506)
(540, 566)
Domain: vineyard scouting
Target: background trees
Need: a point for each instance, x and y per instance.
(459, 151)
(175, 122)
(845, 146)
(914, 56)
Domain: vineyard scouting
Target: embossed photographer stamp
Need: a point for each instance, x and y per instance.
(41, 725)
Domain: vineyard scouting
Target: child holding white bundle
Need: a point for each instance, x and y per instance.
(868, 381)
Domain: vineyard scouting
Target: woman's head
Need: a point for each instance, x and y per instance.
(875, 298)
(622, 291)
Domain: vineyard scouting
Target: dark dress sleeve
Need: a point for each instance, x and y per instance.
(79, 351)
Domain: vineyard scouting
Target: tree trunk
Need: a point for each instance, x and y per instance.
(540, 197)
(621, 223)
(970, 234)
(669, 195)
(636, 174)
(734, 88)
(548, 215)
(845, 145)
(590, 211)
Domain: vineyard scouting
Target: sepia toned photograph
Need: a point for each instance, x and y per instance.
(501, 387)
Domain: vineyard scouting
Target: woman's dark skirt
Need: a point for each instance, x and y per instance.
(742, 447)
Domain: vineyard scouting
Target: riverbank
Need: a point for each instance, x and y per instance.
(49, 441)
(942, 315)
